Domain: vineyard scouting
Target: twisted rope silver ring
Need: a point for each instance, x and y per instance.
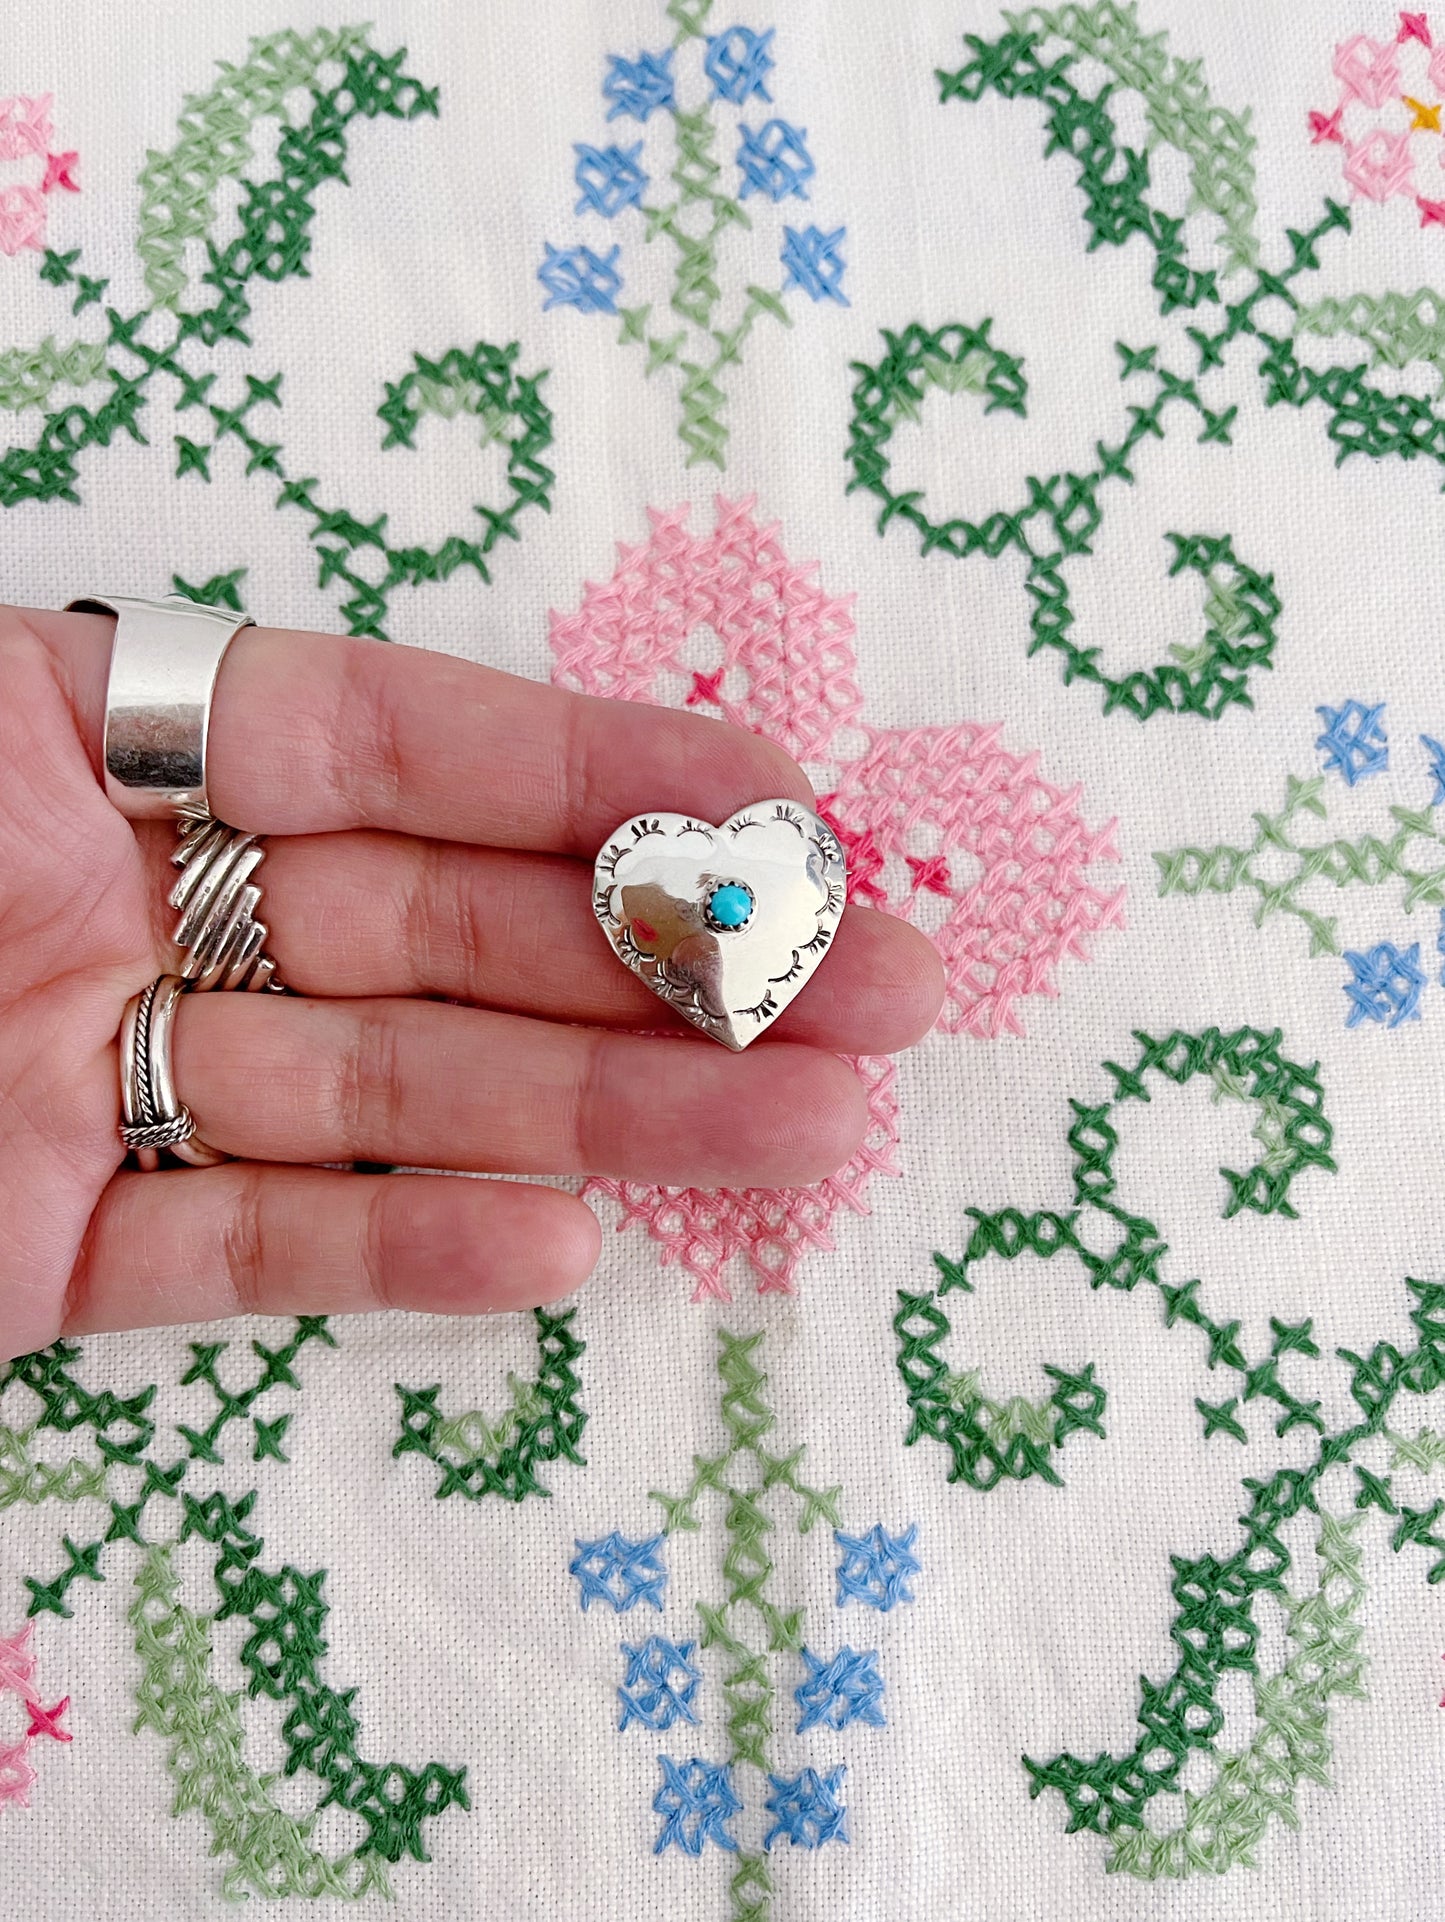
(153, 1118)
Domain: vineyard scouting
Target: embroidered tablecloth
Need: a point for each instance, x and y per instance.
(1032, 422)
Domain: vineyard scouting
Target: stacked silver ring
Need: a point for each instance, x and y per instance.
(165, 657)
(223, 941)
(153, 1116)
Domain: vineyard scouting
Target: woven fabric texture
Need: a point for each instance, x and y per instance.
(1033, 422)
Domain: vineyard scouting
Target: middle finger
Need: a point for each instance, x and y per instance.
(366, 913)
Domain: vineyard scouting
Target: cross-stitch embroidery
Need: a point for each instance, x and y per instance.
(943, 826)
(745, 1803)
(1376, 116)
(478, 1457)
(1062, 518)
(36, 1724)
(1217, 1596)
(30, 173)
(721, 173)
(1403, 857)
(152, 1505)
(191, 317)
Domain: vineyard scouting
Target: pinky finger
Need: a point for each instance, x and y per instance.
(251, 1238)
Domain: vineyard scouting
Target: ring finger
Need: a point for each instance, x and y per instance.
(431, 1085)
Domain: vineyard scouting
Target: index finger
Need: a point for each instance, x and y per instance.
(315, 732)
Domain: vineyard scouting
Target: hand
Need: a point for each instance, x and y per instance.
(437, 825)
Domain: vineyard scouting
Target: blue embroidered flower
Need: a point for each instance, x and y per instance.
(814, 262)
(1440, 946)
(875, 1566)
(1436, 752)
(1354, 742)
(807, 1809)
(775, 160)
(609, 177)
(697, 1802)
(660, 1683)
(738, 62)
(847, 1689)
(637, 86)
(619, 1572)
(576, 277)
(1386, 985)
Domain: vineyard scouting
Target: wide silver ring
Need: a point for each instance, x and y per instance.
(153, 1118)
(164, 660)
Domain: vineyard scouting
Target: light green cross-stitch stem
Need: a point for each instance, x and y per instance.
(748, 1627)
(24, 1479)
(1408, 855)
(1400, 330)
(696, 224)
(29, 375)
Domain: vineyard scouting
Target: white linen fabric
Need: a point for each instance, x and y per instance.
(1297, 1752)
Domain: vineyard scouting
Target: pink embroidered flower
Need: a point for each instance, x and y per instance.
(1009, 856)
(17, 1680)
(22, 219)
(26, 135)
(25, 126)
(1367, 70)
(1380, 166)
(1390, 97)
(943, 826)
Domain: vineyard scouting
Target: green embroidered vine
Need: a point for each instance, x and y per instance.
(544, 1423)
(1295, 1136)
(1180, 113)
(269, 1851)
(156, 1503)
(221, 590)
(1409, 855)
(347, 79)
(1224, 1824)
(1215, 1631)
(178, 185)
(275, 1371)
(988, 1441)
(1062, 516)
(1217, 1595)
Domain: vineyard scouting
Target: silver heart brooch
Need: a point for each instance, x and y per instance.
(726, 924)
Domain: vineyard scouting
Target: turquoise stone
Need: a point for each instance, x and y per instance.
(731, 906)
